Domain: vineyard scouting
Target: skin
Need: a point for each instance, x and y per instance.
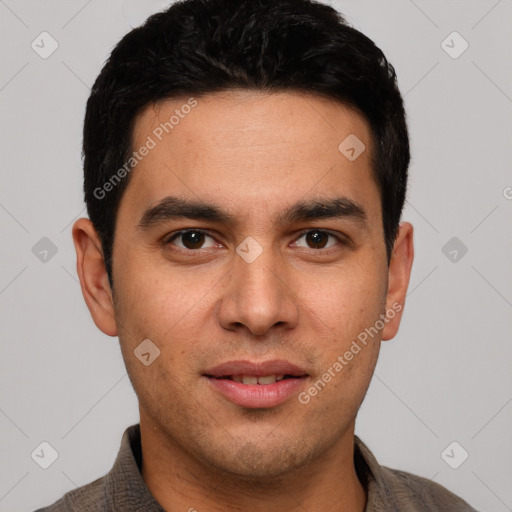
(251, 154)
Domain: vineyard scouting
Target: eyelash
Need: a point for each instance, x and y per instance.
(176, 235)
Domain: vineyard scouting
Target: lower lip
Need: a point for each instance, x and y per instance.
(258, 395)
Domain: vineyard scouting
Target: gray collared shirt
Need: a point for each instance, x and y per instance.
(123, 489)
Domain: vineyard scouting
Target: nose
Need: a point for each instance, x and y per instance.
(258, 296)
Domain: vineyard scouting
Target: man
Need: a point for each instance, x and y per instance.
(245, 171)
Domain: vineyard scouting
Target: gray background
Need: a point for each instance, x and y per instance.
(446, 376)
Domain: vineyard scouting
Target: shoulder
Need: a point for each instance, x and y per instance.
(413, 492)
(122, 488)
(393, 490)
(88, 498)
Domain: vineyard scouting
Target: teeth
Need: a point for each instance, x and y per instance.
(251, 379)
(269, 379)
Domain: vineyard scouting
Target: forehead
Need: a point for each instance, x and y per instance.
(243, 149)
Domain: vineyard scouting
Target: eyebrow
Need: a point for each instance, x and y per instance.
(172, 208)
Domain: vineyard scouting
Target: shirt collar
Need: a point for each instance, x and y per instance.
(374, 478)
(125, 487)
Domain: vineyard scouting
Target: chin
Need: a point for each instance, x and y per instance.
(252, 461)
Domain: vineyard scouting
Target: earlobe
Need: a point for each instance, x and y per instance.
(399, 273)
(93, 276)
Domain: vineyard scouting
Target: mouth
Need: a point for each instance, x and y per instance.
(256, 384)
(262, 380)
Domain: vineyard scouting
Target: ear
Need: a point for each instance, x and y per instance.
(399, 273)
(93, 276)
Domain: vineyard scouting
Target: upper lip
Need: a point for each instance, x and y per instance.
(256, 368)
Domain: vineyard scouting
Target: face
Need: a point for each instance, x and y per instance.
(250, 251)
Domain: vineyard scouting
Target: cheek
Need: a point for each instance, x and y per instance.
(155, 299)
(170, 309)
(347, 370)
(347, 300)
(345, 308)
(349, 389)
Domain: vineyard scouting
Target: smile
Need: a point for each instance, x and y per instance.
(260, 384)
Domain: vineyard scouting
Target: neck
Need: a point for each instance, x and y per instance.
(179, 482)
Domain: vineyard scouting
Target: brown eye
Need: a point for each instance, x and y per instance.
(191, 239)
(318, 239)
